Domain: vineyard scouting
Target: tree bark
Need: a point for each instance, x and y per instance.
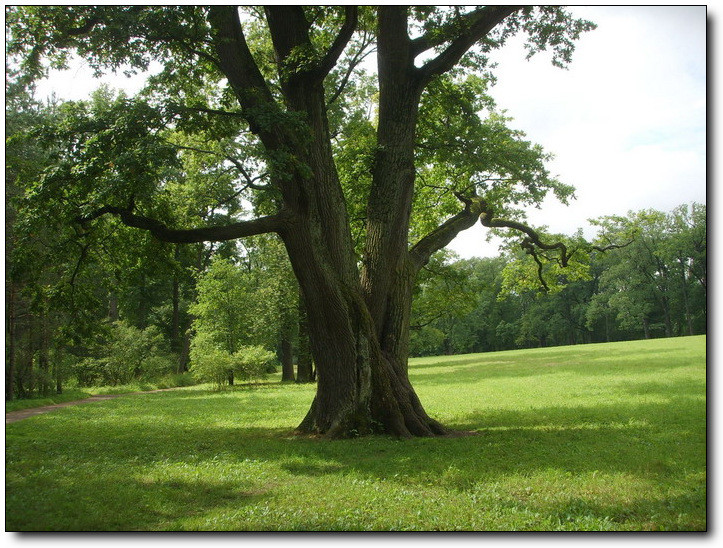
(286, 352)
(305, 371)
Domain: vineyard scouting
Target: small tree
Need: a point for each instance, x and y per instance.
(209, 363)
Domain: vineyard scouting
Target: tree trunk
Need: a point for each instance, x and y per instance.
(286, 353)
(113, 306)
(44, 387)
(358, 321)
(305, 371)
(184, 356)
(176, 335)
(362, 387)
(58, 370)
(10, 349)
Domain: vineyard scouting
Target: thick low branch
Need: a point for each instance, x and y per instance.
(441, 236)
(262, 225)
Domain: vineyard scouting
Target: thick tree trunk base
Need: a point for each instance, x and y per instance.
(392, 409)
(367, 426)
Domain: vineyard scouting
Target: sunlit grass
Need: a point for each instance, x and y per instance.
(597, 437)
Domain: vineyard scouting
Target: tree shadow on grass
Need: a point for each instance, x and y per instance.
(548, 364)
(573, 438)
(97, 462)
(126, 502)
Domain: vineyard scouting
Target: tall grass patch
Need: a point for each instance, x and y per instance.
(597, 437)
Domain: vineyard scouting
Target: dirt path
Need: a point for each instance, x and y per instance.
(14, 416)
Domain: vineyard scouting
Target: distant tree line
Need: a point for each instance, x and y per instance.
(656, 286)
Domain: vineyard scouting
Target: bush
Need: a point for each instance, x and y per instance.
(253, 362)
(173, 380)
(209, 364)
(128, 354)
(88, 371)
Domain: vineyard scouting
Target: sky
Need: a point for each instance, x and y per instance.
(626, 120)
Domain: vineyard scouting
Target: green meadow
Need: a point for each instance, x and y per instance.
(604, 437)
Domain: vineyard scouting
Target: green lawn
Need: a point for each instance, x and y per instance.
(596, 437)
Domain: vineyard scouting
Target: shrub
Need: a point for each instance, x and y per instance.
(128, 354)
(253, 362)
(210, 364)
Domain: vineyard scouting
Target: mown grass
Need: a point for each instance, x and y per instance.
(598, 437)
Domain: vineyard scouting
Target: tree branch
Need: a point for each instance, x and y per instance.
(250, 181)
(289, 30)
(239, 66)
(393, 43)
(351, 16)
(262, 225)
(480, 23)
(611, 246)
(85, 28)
(441, 236)
(532, 239)
(207, 110)
(358, 58)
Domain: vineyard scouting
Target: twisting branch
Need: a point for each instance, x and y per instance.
(531, 241)
(611, 246)
(477, 207)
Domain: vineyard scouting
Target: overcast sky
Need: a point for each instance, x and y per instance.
(626, 121)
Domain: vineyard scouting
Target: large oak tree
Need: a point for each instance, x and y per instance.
(361, 202)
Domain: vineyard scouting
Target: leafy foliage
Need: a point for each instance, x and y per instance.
(220, 367)
(127, 354)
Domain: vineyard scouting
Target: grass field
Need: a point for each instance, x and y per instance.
(597, 437)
